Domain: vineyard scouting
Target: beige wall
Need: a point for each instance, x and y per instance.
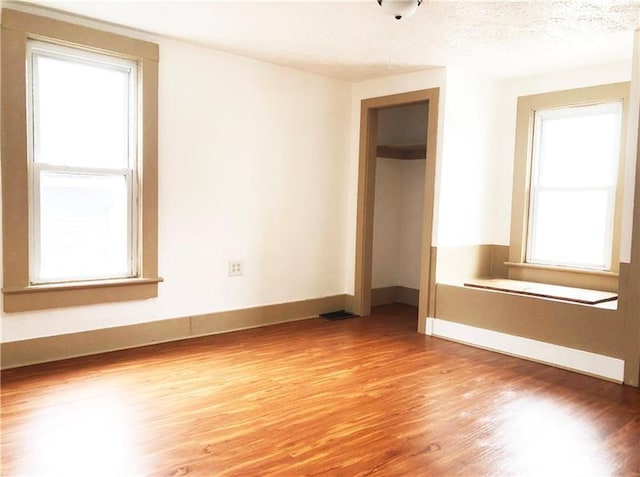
(581, 327)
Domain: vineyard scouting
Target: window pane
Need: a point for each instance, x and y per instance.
(81, 114)
(579, 150)
(83, 226)
(571, 228)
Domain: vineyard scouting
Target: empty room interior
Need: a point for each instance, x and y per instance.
(390, 237)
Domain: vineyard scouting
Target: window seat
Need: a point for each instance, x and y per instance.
(543, 290)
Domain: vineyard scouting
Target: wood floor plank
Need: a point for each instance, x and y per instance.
(364, 396)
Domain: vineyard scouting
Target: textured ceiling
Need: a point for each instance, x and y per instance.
(354, 40)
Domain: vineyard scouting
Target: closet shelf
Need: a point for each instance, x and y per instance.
(402, 151)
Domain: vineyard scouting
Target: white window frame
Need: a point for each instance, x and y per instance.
(611, 189)
(52, 50)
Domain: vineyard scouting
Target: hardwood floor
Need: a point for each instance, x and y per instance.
(360, 397)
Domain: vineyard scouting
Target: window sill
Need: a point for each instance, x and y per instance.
(564, 276)
(584, 271)
(57, 295)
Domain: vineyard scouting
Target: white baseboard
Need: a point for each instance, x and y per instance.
(429, 327)
(567, 358)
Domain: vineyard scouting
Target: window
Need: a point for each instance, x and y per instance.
(82, 118)
(565, 223)
(79, 164)
(573, 186)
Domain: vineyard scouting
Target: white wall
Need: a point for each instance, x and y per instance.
(476, 174)
(472, 196)
(411, 217)
(397, 223)
(260, 163)
(433, 78)
(399, 200)
(387, 222)
(632, 153)
(476, 137)
(472, 199)
(505, 106)
(253, 166)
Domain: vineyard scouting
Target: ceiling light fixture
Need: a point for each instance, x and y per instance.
(400, 8)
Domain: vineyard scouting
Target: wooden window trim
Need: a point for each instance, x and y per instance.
(527, 105)
(19, 295)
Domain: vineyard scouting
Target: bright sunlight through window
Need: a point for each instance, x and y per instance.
(573, 186)
(82, 144)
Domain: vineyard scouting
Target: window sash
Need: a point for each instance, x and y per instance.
(35, 169)
(531, 236)
(35, 223)
(51, 50)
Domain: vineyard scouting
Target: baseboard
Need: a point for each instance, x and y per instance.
(55, 348)
(350, 303)
(384, 295)
(572, 359)
(395, 294)
(408, 296)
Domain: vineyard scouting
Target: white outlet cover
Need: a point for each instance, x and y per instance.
(235, 268)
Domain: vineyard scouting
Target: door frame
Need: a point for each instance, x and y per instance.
(366, 198)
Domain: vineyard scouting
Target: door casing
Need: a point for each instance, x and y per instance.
(366, 196)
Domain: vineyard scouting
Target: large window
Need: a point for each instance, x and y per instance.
(79, 164)
(566, 209)
(82, 113)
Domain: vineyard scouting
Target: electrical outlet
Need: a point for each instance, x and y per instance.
(235, 268)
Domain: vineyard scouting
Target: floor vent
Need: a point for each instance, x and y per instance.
(337, 315)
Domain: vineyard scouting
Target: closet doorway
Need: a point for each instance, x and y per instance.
(383, 134)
